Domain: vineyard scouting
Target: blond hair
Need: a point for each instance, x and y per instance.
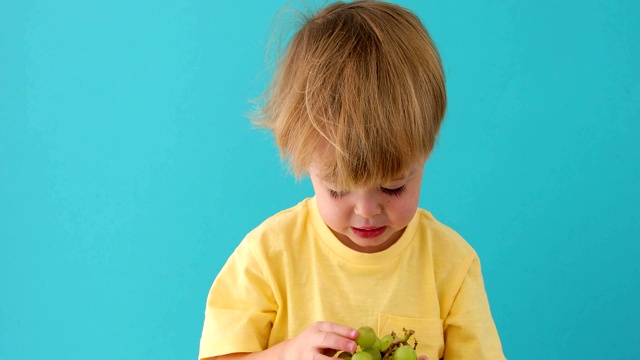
(359, 91)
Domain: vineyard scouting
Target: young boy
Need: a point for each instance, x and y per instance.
(356, 104)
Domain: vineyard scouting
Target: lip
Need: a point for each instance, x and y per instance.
(369, 233)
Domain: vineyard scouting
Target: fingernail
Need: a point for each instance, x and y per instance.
(354, 346)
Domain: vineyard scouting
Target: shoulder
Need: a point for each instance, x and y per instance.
(442, 235)
(447, 247)
(283, 222)
(452, 258)
(280, 231)
(268, 247)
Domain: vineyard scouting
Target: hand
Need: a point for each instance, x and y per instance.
(319, 340)
(422, 357)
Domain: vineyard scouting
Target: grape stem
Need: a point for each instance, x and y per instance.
(398, 342)
(403, 340)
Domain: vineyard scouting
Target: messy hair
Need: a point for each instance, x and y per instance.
(359, 91)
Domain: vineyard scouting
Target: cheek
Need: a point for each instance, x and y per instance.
(330, 211)
(403, 210)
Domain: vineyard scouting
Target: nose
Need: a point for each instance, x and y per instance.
(367, 207)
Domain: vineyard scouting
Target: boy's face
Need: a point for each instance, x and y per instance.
(369, 219)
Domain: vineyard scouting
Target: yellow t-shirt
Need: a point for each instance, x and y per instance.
(291, 271)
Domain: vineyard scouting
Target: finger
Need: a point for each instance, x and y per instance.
(329, 352)
(423, 357)
(337, 329)
(336, 342)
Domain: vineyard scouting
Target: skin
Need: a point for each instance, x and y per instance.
(350, 215)
(311, 344)
(320, 341)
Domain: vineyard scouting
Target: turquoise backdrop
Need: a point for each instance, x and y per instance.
(128, 172)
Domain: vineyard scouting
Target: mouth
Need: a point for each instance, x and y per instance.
(368, 233)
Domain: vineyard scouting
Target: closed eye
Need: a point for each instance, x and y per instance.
(394, 192)
(337, 194)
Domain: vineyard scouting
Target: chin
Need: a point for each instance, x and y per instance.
(372, 244)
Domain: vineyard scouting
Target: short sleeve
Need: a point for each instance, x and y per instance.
(469, 329)
(240, 307)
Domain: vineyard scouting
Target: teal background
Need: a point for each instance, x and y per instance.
(128, 172)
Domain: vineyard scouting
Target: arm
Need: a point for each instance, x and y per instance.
(316, 342)
(470, 332)
(247, 357)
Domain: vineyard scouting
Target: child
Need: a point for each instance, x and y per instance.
(356, 104)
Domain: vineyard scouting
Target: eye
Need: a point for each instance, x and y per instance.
(337, 194)
(394, 192)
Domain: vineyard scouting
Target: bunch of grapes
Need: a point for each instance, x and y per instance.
(388, 347)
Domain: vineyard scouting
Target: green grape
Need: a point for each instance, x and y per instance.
(405, 352)
(378, 344)
(375, 353)
(345, 355)
(385, 342)
(361, 355)
(366, 337)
